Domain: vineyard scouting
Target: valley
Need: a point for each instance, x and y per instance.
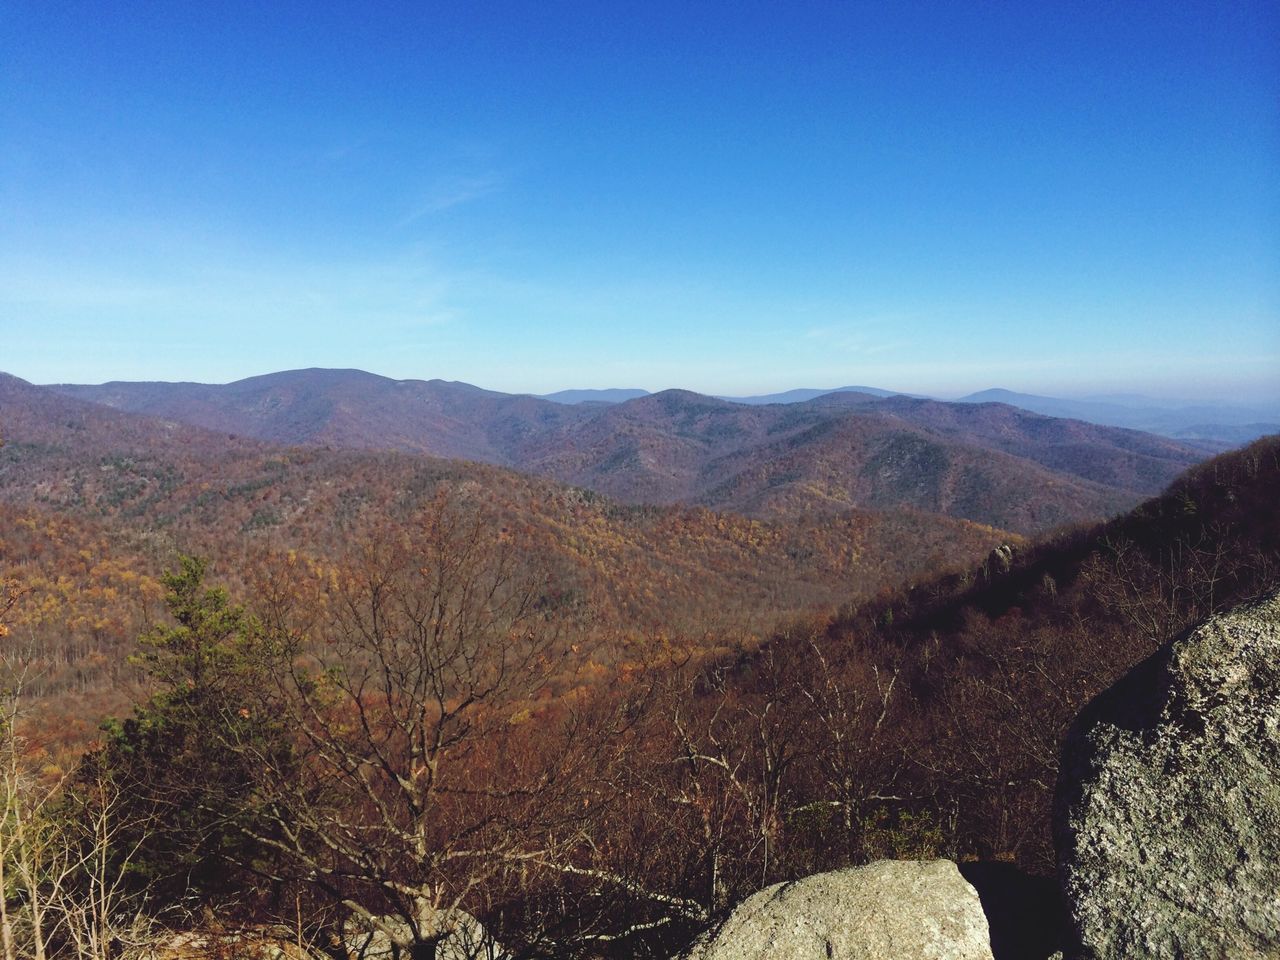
(713, 621)
(987, 463)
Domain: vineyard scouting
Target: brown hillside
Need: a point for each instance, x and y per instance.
(989, 463)
(134, 492)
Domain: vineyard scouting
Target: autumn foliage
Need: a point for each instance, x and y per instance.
(421, 690)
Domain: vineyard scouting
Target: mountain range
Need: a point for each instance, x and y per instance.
(787, 396)
(1226, 424)
(105, 499)
(970, 647)
(990, 463)
(1211, 426)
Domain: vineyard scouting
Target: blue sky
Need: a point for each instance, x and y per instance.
(729, 197)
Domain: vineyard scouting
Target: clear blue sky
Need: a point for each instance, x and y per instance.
(730, 197)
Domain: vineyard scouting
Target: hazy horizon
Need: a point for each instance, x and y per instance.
(1132, 397)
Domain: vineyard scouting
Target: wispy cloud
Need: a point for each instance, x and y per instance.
(454, 191)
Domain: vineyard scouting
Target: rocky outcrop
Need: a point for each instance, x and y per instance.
(1168, 809)
(901, 909)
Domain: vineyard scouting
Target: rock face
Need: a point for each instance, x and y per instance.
(899, 909)
(1168, 809)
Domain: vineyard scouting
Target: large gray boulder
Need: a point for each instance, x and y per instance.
(889, 910)
(1168, 810)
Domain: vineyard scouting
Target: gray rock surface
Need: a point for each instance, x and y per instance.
(1168, 810)
(888, 910)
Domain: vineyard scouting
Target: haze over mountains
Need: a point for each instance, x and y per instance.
(1226, 424)
(1216, 425)
(806, 393)
(986, 462)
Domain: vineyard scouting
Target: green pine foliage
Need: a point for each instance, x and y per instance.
(184, 761)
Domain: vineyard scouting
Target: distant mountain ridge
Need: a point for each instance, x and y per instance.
(805, 394)
(1218, 423)
(787, 396)
(346, 408)
(1210, 427)
(163, 487)
(990, 463)
(612, 395)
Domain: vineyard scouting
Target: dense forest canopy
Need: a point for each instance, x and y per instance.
(351, 694)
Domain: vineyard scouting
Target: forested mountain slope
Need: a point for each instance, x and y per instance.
(350, 409)
(803, 459)
(989, 463)
(929, 722)
(996, 662)
(95, 502)
(694, 722)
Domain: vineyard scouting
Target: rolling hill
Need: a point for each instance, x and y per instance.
(993, 664)
(88, 493)
(349, 409)
(929, 707)
(988, 463)
(801, 394)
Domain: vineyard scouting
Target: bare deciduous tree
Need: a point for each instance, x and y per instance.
(429, 759)
(62, 871)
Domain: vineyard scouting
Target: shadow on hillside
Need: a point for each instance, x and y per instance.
(1023, 911)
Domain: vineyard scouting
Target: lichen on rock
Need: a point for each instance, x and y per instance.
(1167, 817)
(905, 909)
